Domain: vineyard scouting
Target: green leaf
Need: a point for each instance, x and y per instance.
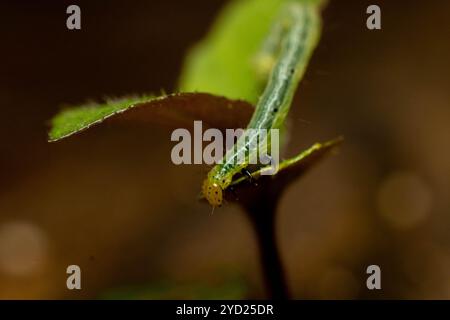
(245, 193)
(224, 63)
(76, 119)
(175, 110)
(293, 167)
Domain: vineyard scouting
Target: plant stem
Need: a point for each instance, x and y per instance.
(262, 216)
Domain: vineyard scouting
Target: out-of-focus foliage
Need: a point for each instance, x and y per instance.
(231, 290)
(224, 62)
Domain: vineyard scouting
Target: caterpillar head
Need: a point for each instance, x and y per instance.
(213, 193)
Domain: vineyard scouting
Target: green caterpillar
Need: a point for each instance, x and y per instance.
(284, 58)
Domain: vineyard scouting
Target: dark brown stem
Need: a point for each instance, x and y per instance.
(262, 215)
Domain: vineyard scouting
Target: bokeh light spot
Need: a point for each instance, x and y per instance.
(23, 248)
(404, 200)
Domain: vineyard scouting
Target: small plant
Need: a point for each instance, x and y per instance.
(255, 54)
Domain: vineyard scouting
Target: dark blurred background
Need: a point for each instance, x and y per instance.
(111, 201)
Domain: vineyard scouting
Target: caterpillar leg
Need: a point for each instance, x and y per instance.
(249, 176)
